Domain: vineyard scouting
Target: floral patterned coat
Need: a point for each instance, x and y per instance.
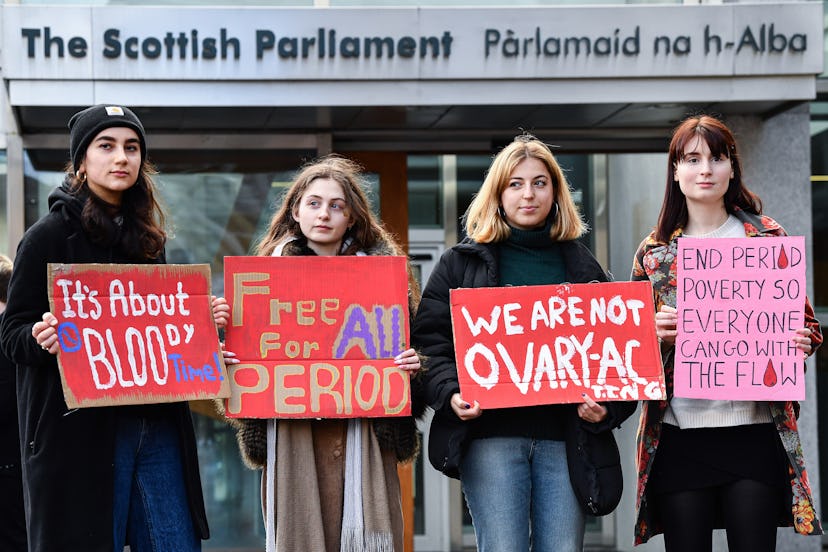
(656, 261)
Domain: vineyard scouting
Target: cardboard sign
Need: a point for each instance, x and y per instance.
(739, 302)
(316, 336)
(529, 345)
(136, 334)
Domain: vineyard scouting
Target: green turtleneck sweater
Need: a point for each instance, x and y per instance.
(527, 258)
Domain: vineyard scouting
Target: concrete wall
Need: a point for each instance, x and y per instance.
(777, 164)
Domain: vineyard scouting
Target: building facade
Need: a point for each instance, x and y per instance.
(234, 99)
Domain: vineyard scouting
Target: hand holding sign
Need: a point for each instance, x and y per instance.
(465, 410)
(666, 320)
(221, 311)
(45, 333)
(803, 341)
(591, 411)
(408, 360)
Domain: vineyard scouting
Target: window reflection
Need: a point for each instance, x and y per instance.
(231, 491)
(819, 201)
(4, 224)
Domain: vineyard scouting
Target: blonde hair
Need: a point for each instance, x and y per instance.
(484, 224)
(6, 267)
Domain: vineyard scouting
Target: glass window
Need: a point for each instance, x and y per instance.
(425, 192)
(169, 2)
(219, 214)
(819, 200)
(231, 491)
(4, 221)
(822, 414)
(819, 215)
(819, 206)
(473, 3)
(419, 491)
(825, 41)
(471, 171)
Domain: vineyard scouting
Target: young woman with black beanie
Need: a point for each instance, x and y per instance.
(97, 479)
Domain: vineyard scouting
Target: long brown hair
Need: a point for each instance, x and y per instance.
(142, 232)
(722, 143)
(482, 219)
(365, 232)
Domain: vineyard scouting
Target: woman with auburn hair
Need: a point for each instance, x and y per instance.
(332, 484)
(705, 464)
(522, 230)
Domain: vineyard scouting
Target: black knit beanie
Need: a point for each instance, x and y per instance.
(85, 125)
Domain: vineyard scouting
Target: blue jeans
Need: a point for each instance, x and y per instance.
(519, 496)
(151, 512)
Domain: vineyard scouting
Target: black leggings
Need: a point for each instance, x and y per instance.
(749, 510)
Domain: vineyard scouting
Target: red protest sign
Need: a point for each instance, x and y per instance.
(529, 345)
(135, 334)
(316, 336)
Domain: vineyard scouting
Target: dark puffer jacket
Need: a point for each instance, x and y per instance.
(473, 265)
(397, 434)
(68, 454)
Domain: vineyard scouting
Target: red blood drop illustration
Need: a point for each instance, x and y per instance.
(770, 375)
(782, 262)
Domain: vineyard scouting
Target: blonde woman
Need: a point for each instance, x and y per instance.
(522, 230)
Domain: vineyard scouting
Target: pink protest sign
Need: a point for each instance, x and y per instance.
(739, 302)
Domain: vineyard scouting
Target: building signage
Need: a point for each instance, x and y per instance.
(554, 42)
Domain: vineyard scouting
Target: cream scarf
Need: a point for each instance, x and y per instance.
(366, 523)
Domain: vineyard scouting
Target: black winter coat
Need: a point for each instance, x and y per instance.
(473, 265)
(68, 455)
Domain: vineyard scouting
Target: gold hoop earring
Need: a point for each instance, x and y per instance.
(81, 177)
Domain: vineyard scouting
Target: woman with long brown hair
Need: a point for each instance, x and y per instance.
(97, 479)
(332, 484)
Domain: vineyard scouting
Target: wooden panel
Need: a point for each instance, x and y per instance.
(391, 167)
